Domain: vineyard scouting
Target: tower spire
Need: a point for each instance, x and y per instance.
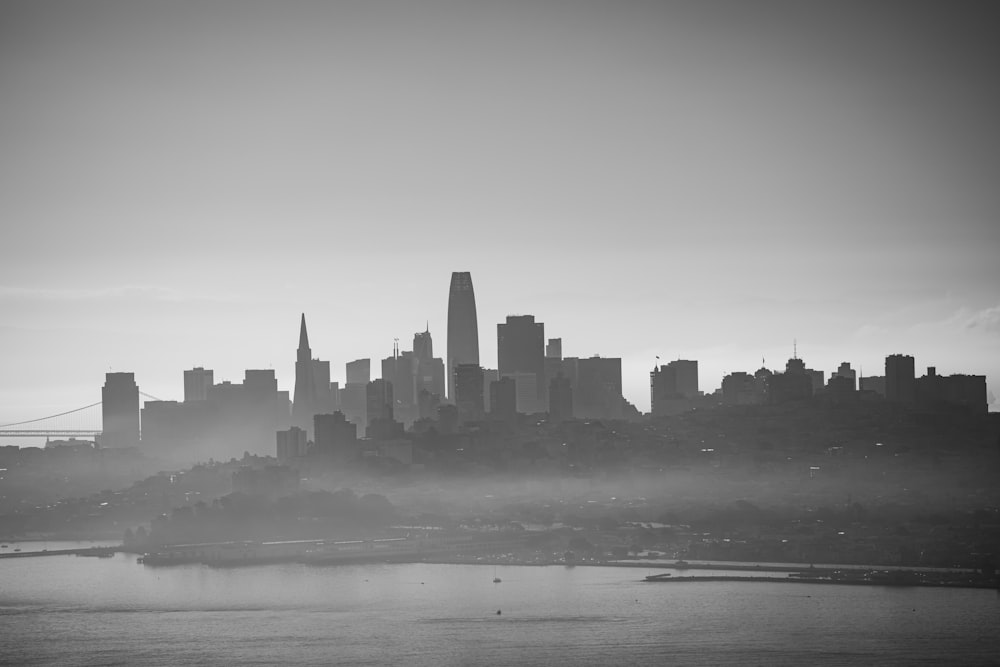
(303, 336)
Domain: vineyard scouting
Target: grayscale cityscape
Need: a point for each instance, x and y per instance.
(460, 333)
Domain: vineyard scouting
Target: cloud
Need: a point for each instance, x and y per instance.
(987, 319)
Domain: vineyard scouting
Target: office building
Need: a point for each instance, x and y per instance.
(379, 401)
(358, 371)
(196, 384)
(846, 372)
(597, 392)
(673, 387)
(430, 369)
(336, 438)
(503, 399)
(292, 445)
(900, 379)
(463, 327)
(521, 352)
(560, 399)
(469, 395)
(120, 410)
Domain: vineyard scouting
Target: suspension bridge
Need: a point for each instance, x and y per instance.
(83, 422)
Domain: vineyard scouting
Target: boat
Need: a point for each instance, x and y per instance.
(496, 579)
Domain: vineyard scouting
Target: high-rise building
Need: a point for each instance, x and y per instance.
(196, 384)
(846, 372)
(741, 388)
(359, 371)
(325, 401)
(469, 392)
(597, 392)
(490, 375)
(120, 410)
(401, 370)
(503, 399)
(336, 438)
(463, 327)
(291, 444)
(521, 350)
(423, 344)
(430, 369)
(686, 374)
(526, 392)
(900, 379)
(379, 401)
(872, 383)
(560, 399)
(304, 401)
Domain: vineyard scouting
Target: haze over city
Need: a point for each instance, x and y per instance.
(704, 181)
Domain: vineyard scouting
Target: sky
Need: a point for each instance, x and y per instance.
(709, 180)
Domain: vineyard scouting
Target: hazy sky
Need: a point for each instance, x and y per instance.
(704, 180)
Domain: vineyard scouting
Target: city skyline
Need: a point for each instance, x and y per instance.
(703, 181)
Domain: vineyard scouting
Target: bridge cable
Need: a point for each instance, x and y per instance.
(68, 412)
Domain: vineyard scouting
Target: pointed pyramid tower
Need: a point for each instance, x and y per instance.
(304, 400)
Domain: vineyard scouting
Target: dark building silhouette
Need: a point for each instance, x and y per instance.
(379, 401)
(336, 438)
(463, 327)
(741, 388)
(291, 445)
(673, 387)
(197, 382)
(793, 385)
(490, 375)
(469, 392)
(553, 362)
(326, 399)
(358, 371)
(305, 401)
(354, 394)
(900, 379)
(120, 410)
(430, 369)
(232, 419)
(965, 391)
(503, 399)
(875, 384)
(847, 373)
(401, 371)
(521, 351)
(560, 398)
(597, 392)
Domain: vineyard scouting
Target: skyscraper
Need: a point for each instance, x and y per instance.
(520, 350)
(120, 410)
(304, 404)
(469, 392)
(196, 384)
(900, 380)
(463, 327)
(430, 369)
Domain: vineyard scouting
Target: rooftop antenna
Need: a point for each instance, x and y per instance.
(795, 349)
(657, 364)
(395, 348)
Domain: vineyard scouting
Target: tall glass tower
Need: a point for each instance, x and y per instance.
(463, 328)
